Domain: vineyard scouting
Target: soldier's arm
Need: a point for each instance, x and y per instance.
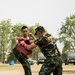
(28, 47)
(31, 41)
(33, 38)
(58, 52)
(31, 46)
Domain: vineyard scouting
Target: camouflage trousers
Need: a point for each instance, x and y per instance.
(23, 60)
(51, 65)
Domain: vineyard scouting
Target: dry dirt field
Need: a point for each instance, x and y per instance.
(6, 69)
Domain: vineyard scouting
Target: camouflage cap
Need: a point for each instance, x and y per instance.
(39, 28)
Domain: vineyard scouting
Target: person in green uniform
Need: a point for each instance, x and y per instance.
(47, 45)
(22, 58)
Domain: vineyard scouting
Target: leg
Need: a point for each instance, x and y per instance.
(23, 60)
(48, 67)
(25, 65)
(58, 69)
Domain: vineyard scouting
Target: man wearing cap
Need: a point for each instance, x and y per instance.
(47, 45)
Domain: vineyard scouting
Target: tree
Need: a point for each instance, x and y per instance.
(5, 33)
(67, 34)
(16, 31)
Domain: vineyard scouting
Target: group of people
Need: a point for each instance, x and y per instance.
(47, 45)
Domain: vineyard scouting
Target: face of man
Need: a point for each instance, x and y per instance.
(39, 34)
(39, 31)
(25, 32)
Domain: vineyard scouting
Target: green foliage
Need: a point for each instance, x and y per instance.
(32, 29)
(16, 29)
(11, 56)
(67, 33)
(5, 33)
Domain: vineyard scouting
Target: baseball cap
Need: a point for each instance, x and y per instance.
(38, 29)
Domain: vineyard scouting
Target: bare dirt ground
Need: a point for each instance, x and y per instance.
(6, 69)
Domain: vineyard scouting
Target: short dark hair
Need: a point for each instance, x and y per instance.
(23, 27)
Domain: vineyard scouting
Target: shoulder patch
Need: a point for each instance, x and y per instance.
(49, 39)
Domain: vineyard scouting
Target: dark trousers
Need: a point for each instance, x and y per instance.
(52, 65)
(23, 60)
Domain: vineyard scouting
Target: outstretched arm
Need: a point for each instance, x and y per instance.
(29, 47)
(33, 37)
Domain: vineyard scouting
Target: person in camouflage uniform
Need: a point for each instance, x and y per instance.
(47, 45)
(22, 58)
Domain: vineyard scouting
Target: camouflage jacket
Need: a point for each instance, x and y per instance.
(46, 45)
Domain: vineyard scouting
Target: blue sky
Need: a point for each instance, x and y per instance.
(49, 13)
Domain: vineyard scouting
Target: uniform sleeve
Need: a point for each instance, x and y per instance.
(36, 42)
(49, 38)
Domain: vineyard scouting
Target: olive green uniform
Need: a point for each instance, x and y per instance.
(53, 62)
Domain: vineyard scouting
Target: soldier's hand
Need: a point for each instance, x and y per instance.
(30, 34)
